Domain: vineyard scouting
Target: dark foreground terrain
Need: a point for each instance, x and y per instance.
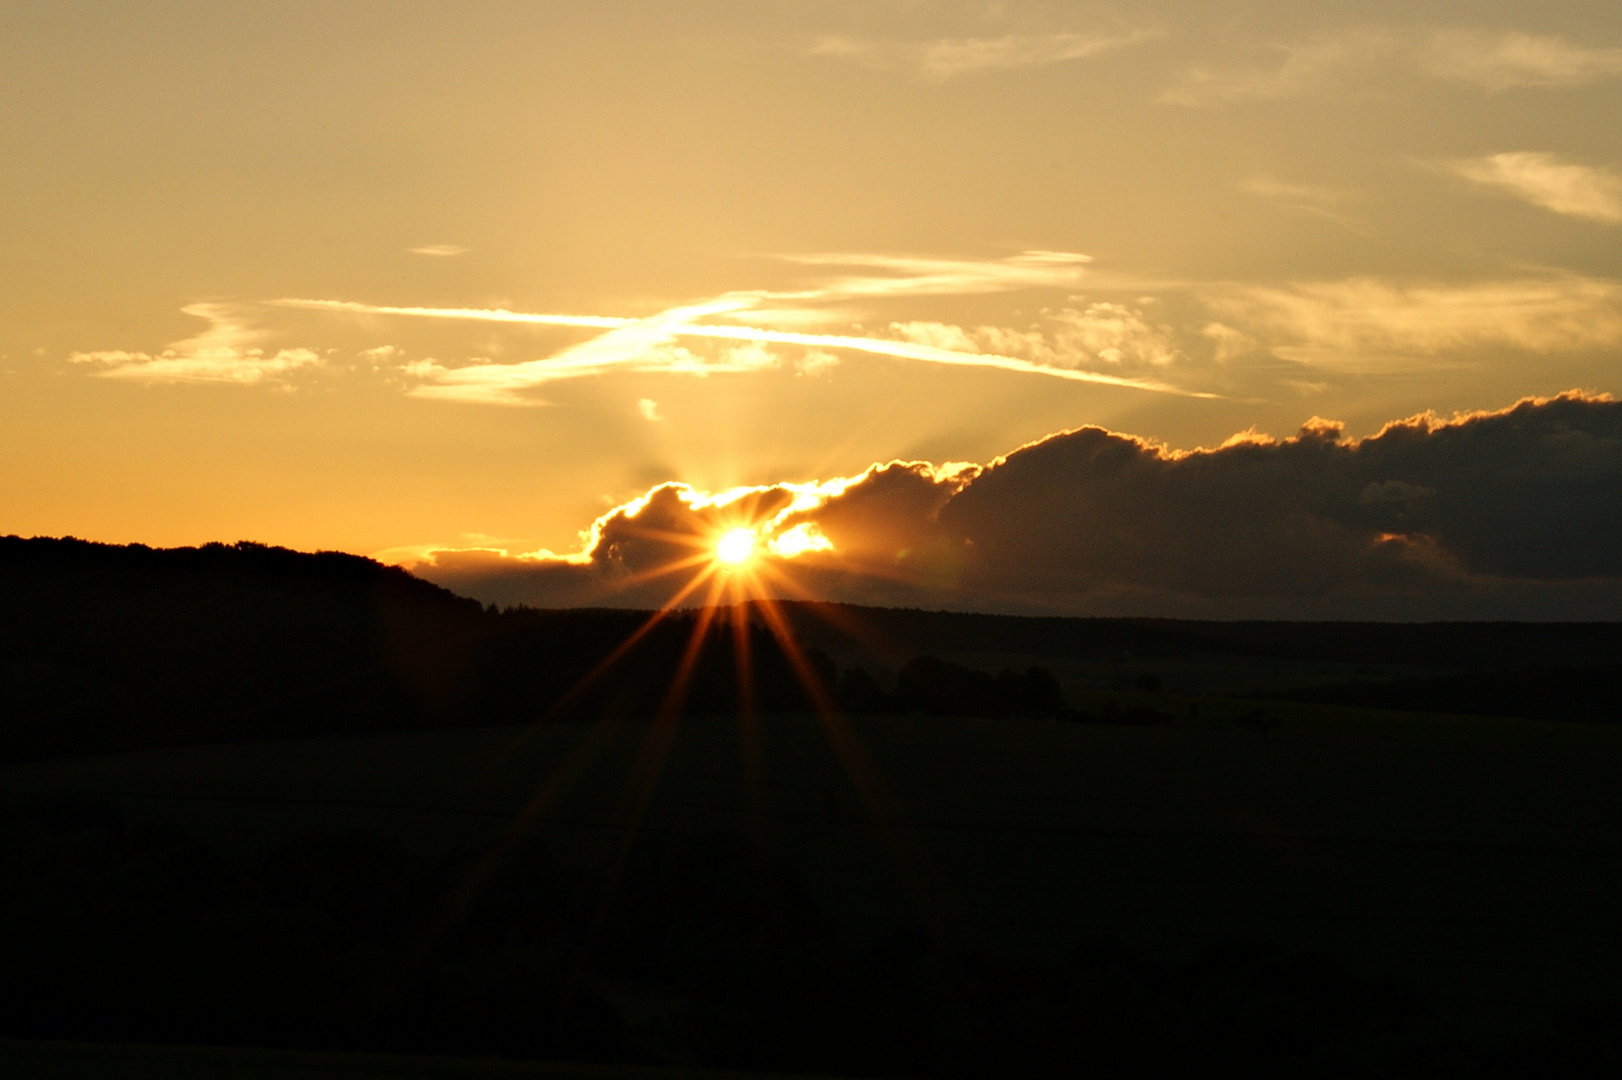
(301, 804)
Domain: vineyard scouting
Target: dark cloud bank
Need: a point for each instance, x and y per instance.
(1510, 514)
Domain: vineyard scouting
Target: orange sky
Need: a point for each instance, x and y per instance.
(376, 278)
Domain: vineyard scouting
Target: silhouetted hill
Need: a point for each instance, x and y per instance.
(105, 647)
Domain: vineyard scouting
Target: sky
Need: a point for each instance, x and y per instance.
(470, 287)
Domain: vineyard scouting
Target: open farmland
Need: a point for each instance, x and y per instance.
(1475, 859)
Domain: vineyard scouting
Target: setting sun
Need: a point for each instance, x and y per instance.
(735, 547)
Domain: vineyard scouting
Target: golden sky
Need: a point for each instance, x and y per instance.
(391, 277)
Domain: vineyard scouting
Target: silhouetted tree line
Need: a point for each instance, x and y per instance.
(710, 951)
(107, 648)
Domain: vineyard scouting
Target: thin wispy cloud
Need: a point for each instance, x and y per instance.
(1113, 335)
(651, 345)
(899, 275)
(1320, 200)
(655, 343)
(1297, 68)
(228, 351)
(941, 59)
(1356, 323)
(1501, 60)
(1490, 60)
(1551, 182)
(439, 251)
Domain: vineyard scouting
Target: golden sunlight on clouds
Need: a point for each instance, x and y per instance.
(1349, 324)
(227, 352)
(1428, 515)
(1548, 181)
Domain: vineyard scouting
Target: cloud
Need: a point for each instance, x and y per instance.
(1505, 59)
(439, 251)
(1547, 181)
(1351, 322)
(649, 409)
(946, 58)
(1110, 334)
(655, 343)
(227, 352)
(816, 361)
(1322, 200)
(903, 275)
(1490, 60)
(1511, 512)
(1300, 68)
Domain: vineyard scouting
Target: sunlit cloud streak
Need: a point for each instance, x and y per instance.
(1512, 513)
(439, 251)
(651, 344)
(901, 275)
(942, 59)
(1548, 181)
(227, 352)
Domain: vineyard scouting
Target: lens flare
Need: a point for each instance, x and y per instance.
(735, 547)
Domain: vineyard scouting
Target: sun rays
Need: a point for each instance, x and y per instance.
(735, 571)
(736, 547)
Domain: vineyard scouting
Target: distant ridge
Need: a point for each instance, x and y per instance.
(106, 647)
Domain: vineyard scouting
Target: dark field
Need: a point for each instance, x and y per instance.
(1476, 861)
(1166, 848)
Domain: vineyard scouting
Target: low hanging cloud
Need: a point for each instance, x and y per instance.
(229, 351)
(941, 59)
(1515, 513)
(1551, 182)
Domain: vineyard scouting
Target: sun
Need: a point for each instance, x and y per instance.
(735, 547)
